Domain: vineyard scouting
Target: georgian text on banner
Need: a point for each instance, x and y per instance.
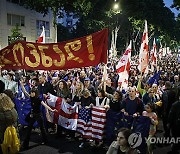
(81, 52)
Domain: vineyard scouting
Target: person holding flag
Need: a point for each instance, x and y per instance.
(35, 115)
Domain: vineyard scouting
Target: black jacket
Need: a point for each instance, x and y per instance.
(174, 115)
(46, 88)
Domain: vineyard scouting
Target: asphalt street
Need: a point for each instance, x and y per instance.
(64, 146)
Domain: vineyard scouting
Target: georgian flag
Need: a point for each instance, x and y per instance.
(154, 56)
(160, 53)
(143, 54)
(67, 114)
(41, 38)
(123, 67)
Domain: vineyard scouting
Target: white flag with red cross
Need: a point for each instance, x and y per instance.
(143, 54)
(67, 114)
(123, 67)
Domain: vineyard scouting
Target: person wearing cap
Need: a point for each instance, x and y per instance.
(90, 87)
(9, 83)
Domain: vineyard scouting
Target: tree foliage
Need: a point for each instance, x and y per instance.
(16, 35)
(95, 15)
(176, 4)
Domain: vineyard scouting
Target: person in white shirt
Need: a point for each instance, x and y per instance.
(101, 99)
(9, 83)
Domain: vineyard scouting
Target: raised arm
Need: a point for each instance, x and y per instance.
(47, 107)
(139, 87)
(24, 90)
(110, 96)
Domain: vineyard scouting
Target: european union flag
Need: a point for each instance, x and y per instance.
(23, 107)
(115, 121)
(155, 78)
(142, 125)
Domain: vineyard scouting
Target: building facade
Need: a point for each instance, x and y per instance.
(30, 22)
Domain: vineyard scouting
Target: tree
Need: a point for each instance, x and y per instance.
(95, 15)
(176, 4)
(16, 35)
(43, 6)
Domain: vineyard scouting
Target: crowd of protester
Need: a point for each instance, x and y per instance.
(146, 95)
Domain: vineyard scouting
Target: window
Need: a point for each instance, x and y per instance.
(39, 24)
(14, 20)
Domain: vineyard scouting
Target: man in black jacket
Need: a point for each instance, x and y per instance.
(168, 98)
(174, 125)
(44, 86)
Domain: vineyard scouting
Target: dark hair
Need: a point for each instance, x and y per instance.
(2, 86)
(10, 74)
(35, 90)
(102, 92)
(68, 96)
(9, 93)
(126, 132)
(35, 79)
(120, 94)
(65, 86)
(168, 84)
(151, 106)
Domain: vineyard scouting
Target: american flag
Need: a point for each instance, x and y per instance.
(91, 122)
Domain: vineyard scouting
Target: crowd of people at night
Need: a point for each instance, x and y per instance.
(146, 95)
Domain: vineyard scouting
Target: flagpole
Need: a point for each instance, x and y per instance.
(105, 76)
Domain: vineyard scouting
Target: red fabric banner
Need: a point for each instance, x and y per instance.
(81, 52)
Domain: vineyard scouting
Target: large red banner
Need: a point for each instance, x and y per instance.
(81, 52)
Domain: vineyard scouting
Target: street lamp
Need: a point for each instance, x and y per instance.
(116, 6)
